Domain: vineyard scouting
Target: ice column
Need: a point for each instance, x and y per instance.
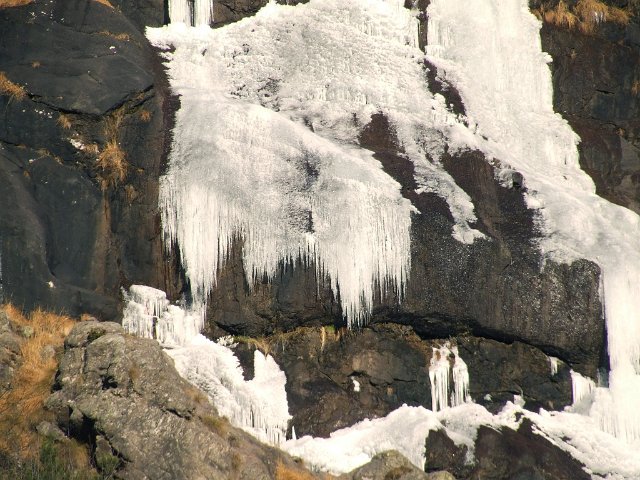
(191, 12)
(447, 368)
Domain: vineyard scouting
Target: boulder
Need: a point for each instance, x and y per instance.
(123, 396)
(504, 453)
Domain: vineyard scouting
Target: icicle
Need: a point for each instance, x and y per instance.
(581, 387)
(446, 365)
(553, 364)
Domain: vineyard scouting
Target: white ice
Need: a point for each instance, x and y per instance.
(449, 377)
(265, 145)
(258, 406)
(490, 50)
(191, 12)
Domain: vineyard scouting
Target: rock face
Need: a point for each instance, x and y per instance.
(595, 80)
(123, 396)
(80, 155)
(374, 371)
(505, 453)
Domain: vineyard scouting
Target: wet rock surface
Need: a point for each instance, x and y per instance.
(503, 453)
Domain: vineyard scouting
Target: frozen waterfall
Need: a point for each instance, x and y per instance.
(491, 51)
(266, 154)
(258, 406)
(191, 12)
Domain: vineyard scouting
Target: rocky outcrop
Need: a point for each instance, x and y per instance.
(597, 89)
(369, 373)
(123, 396)
(503, 453)
(81, 148)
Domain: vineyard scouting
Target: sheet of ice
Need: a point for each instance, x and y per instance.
(490, 50)
(265, 145)
(258, 406)
(449, 378)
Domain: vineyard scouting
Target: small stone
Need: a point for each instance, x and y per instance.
(49, 430)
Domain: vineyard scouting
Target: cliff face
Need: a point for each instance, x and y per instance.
(82, 150)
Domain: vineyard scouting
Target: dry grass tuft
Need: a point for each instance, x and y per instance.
(36, 64)
(64, 121)
(22, 407)
(13, 90)
(560, 16)
(586, 15)
(14, 3)
(635, 87)
(123, 37)
(112, 162)
(145, 116)
(105, 2)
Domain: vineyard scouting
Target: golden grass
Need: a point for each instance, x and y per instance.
(112, 160)
(635, 87)
(585, 16)
(124, 37)
(285, 472)
(64, 121)
(13, 90)
(105, 2)
(22, 406)
(14, 3)
(560, 16)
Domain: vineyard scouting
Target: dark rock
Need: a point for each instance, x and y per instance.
(596, 90)
(373, 371)
(504, 453)
(144, 13)
(71, 234)
(498, 371)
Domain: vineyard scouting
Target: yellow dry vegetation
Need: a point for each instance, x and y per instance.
(22, 406)
(586, 15)
(14, 3)
(13, 90)
(285, 472)
(105, 2)
(112, 160)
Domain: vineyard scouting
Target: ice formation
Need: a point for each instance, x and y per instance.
(449, 378)
(581, 388)
(553, 364)
(266, 149)
(490, 50)
(258, 406)
(191, 12)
